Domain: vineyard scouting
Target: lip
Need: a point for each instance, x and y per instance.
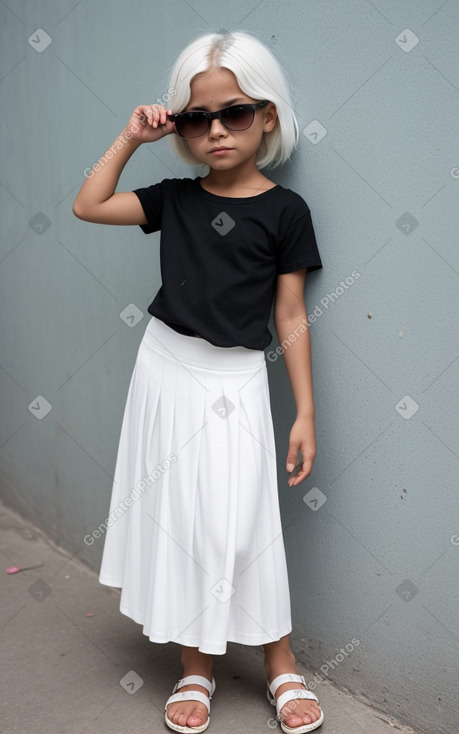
(216, 151)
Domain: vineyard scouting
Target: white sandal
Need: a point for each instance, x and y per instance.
(190, 696)
(290, 696)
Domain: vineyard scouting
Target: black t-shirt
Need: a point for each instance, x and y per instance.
(220, 257)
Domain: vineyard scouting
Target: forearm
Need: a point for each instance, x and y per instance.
(102, 179)
(297, 358)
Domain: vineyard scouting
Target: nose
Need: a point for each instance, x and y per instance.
(217, 129)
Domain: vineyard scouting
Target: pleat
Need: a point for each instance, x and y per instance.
(199, 554)
(260, 522)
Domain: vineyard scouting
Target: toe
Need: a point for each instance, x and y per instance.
(177, 717)
(176, 714)
(197, 717)
(298, 719)
(293, 721)
(300, 716)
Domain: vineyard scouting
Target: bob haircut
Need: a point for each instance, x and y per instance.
(259, 76)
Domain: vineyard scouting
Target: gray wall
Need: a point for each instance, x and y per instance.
(374, 567)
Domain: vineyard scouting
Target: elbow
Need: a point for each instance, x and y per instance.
(282, 315)
(81, 212)
(76, 209)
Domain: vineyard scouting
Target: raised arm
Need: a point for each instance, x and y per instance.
(96, 200)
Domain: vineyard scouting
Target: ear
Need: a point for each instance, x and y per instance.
(270, 117)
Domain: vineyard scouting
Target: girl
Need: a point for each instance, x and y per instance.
(194, 536)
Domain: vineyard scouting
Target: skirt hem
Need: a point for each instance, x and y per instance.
(210, 647)
(108, 581)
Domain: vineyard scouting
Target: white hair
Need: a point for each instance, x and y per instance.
(259, 76)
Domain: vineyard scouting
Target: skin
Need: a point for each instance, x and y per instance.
(232, 174)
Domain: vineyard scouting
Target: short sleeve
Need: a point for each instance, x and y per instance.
(298, 247)
(151, 199)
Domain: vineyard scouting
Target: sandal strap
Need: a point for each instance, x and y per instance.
(189, 696)
(292, 695)
(285, 678)
(198, 680)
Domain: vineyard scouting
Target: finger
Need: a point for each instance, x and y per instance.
(304, 471)
(154, 116)
(141, 111)
(159, 115)
(163, 117)
(167, 127)
(292, 458)
(297, 479)
(158, 108)
(148, 113)
(141, 115)
(293, 481)
(151, 115)
(296, 468)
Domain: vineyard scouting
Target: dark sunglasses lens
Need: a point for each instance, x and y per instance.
(191, 124)
(238, 118)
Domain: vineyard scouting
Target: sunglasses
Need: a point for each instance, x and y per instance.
(195, 123)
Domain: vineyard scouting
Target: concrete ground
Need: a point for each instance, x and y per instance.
(72, 663)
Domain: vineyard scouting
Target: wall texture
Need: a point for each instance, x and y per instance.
(372, 536)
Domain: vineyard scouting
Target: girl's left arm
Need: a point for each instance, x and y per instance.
(290, 320)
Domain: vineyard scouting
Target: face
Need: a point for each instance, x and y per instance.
(212, 91)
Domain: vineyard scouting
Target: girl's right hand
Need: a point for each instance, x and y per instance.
(149, 123)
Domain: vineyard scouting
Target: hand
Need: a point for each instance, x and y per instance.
(302, 436)
(149, 123)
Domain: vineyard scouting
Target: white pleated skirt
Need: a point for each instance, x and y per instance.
(194, 537)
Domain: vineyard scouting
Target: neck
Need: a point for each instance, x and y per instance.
(245, 177)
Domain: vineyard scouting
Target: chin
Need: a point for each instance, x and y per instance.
(220, 165)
